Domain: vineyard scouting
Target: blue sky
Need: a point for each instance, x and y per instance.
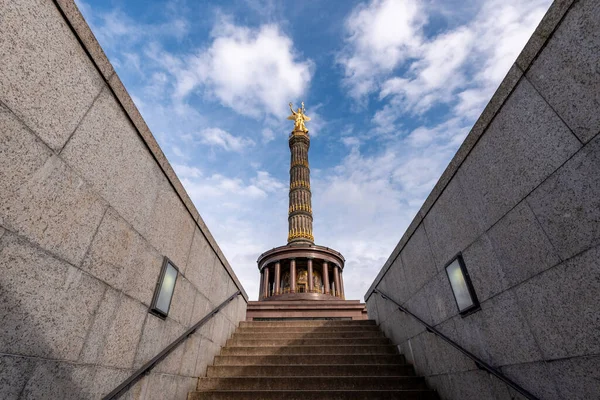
(392, 87)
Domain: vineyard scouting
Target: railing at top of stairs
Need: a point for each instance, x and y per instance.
(478, 362)
(144, 369)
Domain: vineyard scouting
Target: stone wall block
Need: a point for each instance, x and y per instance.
(470, 334)
(507, 336)
(46, 77)
(484, 268)
(417, 261)
(182, 303)
(56, 380)
(451, 224)
(161, 387)
(184, 386)
(56, 209)
(521, 245)
(220, 280)
(107, 379)
(201, 263)
(577, 378)
(104, 146)
(568, 203)
(143, 273)
(191, 347)
(172, 363)
(470, 385)
(46, 305)
(124, 334)
(14, 374)
(151, 340)
(171, 227)
(536, 378)
(440, 300)
(97, 334)
(372, 308)
(419, 305)
(523, 145)
(206, 356)
(21, 154)
(566, 71)
(561, 306)
(201, 308)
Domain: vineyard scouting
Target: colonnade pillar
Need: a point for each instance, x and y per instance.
(342, 284)
(261, 289)
(310, 276)
(293, 275)
(336, 279)
(326, 277)
(276, 290)
(266, 282)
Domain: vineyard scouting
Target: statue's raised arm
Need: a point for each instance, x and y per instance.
(299, 118)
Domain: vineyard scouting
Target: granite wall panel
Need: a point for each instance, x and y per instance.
(89, 208)
(520, 202)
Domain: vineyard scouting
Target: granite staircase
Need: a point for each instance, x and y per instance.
(302, 360)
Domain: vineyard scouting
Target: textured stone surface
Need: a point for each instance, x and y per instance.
(46, 305)
(55, 380)
(495, 104)
(484, 268)
(56, 209)
(557, 10)
(171, 227)
(521, 245)
(220, 280)
(14, 373)
(470, 334)
(182, 303)
(106, 379)
(507, 336)
(191, 348)
(417, 260)
(469, 385)
(535, 377)
(150, 341)
(46, 77)
(160, 387)
(524, 144)
(21, 154)
(561, 306)
(440, 300)
(172, 363)
(104, 145)
(124, 334)
(97, 334)
(566, 71)
(577, 378)
(87, 37)
(200, 264)
(451, 224)
(567, 205)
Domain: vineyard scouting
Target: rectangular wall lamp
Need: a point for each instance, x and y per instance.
(462, 288)
(165, 287)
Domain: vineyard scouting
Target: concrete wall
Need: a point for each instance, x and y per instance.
(521, 201)
(89, 206)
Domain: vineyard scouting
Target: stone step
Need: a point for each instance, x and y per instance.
(305, 342)
(314, 395)
(312, 383)
(365, 322)
(309, 329)
(309, 350)
(310, 370)
(317, 359)
(308, 335)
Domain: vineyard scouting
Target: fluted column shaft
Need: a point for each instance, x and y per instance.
(310, 275)
(336, 279)
(300, 209)
(266, 284)
(326, 277)
(292, 276)
(277, 278)
(342, 284)
(261, 290)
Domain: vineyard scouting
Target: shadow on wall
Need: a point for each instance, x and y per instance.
(32, 370)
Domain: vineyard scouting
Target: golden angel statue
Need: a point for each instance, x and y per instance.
(299, 118)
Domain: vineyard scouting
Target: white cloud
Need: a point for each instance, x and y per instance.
(379, 37)
(253, 71)
(220, 138)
